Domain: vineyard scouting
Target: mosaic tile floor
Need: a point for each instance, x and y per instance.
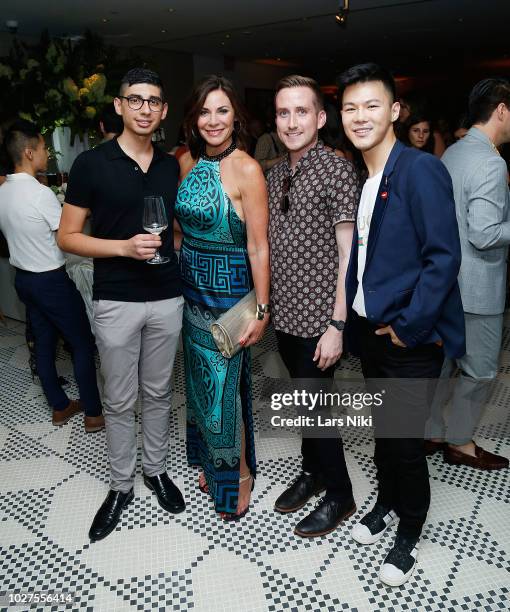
(53, 480)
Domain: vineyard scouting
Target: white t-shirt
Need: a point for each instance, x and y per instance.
(29, 216)
(365, 211)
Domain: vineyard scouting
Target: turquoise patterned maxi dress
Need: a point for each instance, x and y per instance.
(215, 275)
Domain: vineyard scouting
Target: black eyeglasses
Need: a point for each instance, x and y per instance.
(136, 103)
(285, 201)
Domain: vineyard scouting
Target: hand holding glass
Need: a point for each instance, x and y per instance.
(155, 221)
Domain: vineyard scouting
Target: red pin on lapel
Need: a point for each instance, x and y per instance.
(384, 195)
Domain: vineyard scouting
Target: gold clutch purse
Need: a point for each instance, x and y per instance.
(229, 327)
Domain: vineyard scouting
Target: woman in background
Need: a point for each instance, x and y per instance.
(418, 133)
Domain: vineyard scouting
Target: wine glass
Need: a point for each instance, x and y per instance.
(155, 221)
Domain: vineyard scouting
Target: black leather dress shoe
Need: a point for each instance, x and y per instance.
(108, 515)
(325, 518)
(300, 491)
(169, 496)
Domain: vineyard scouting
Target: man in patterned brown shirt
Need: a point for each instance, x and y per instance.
(313, 196)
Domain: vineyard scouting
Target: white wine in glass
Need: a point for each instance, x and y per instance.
(155, 221)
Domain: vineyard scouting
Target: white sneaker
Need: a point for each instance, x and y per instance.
(373, 525)
(400, 562)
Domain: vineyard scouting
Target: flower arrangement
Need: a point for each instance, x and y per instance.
(56, 83)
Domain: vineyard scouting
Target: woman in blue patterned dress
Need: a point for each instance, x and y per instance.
(222, 211)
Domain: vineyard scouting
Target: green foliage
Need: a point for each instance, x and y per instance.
(58, 82)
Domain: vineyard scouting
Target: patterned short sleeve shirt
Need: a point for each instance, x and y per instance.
(324, 191)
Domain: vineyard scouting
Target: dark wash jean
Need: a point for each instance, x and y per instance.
(402, 469)
(54, 306)
(324, 456)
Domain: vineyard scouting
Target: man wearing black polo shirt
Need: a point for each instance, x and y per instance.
(137, 307)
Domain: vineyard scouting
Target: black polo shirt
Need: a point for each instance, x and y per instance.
(112, 186)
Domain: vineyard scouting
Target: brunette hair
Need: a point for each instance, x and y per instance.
(20, 136)
(419, 117)
(296, 80)
(195, 104)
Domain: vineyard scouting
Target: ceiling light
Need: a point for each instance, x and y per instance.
(343, 10)
(104, 20)
(163, 31)
(171, 10)
(12, 26)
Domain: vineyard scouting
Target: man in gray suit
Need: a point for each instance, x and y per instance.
(480, 183)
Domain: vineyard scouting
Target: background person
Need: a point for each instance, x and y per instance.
(269, 149)
(418, 133)
(482, 201)
(110, 124)
(413, 104)
(29, 217)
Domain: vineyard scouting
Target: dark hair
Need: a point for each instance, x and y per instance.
(332, 134)
(413, 120)
(112, 123)
(195, 104)
(366, 73)
(140, 75)
(19, 136)
(296, 80)
(484, 98)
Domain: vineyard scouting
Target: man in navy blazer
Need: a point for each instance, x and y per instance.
(403, 300)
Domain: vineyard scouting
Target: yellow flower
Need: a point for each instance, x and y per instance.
(84, 92)
(90, 112)
(89, 83)
(70, 89)
(96, 84)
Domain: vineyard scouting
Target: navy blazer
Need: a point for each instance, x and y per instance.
(413, 255)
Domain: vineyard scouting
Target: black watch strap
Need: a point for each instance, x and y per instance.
(337, 324)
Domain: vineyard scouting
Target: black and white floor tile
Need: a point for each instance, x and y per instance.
(53, 480)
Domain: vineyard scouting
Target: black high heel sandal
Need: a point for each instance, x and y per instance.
(229, 517)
